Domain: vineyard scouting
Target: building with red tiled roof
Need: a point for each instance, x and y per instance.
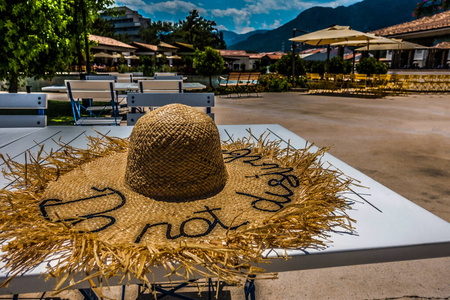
(236, 60)
(427, 31)
(109, 44)
(422, 31)
(233, 53)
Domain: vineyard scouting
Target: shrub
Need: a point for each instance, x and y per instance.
(123, 69)
(275, 83)
(147, 63)
(300, 82)
(370, 65)
(318, 67)
(272, 68)
(284, 65)
(340, 66)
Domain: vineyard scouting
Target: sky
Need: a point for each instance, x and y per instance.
(240, 16)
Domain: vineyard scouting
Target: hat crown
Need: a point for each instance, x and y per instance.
(175, 155)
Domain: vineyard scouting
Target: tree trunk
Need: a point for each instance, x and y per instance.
(13, 83)
(77, 39)
(86, 38)
(210, 81)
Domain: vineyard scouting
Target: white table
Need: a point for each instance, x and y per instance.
(389, 227)
(125, 86)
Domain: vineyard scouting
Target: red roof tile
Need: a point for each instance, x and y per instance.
(437, 21)
(102, 40)
(146, 46)
(443, 45)
(233, 53)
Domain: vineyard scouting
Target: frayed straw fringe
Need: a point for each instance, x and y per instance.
(30, 240)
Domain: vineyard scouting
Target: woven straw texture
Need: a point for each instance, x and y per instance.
(104, 211)
(175, 155)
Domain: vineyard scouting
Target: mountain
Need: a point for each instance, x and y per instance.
(231, 37)
(364, 16)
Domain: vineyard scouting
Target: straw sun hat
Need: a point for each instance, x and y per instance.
(173, 196)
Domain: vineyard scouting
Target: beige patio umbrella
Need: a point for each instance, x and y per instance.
(102, 55)
(132, 57)
(331, 35)
(376, 40)
(117, 55)
(399, 45)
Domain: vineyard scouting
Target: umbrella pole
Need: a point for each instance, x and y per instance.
(293, 58)
(328, 58)
(354, 59)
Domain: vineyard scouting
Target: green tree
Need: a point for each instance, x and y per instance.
(199, 32)
(208, 63)
(284, 65)
(40, 37)
(430, 7)
(194, 30)
(103, 27)
(155, 32)
(34, 38)
(81, 15)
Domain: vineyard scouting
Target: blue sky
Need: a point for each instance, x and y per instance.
(240, 16)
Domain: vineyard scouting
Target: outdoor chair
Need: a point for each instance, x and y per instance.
(23, 101)
(120, 97)
(168, 77)
(313, 81)
(157, 86)
(152, 100)
(444, 83)
(253, 82)
(93, 90)
(125, 78)
(231, 84)
(160, 86)
(164, 74)
(400, 84)
(101, 77)
(359, 83)
(331, 82)
(380, 84)
(432, 83)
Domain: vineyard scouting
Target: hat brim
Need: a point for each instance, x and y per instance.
(273, 198)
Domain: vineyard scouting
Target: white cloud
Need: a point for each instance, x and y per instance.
(173, 7)
(221, 27)
(133, 4)
(275, 24)
(245, 29)
(241, 18)
(268, 6)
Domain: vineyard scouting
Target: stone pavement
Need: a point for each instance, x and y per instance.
(402, 142)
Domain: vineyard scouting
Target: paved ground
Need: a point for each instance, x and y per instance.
(402, 142)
